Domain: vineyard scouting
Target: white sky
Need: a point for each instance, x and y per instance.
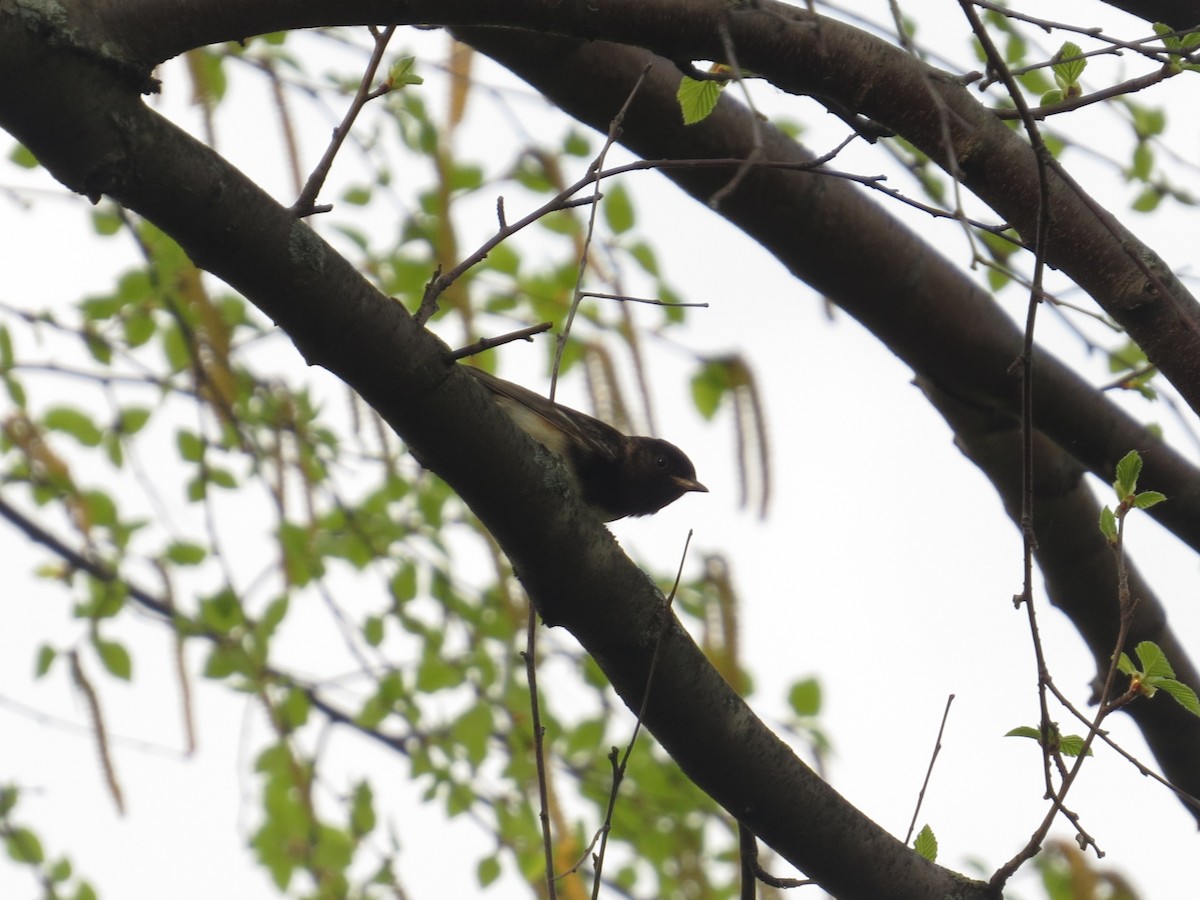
(903, 556)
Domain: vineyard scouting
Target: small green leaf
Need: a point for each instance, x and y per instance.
(185, 553)
(1143, 162)
(190, 446)
(697, 99)
(1147, 499)
(362, 810)
(576, 144)
(709, 386)
(73, 422)
(1128, 470)
(1125, 664)
(926, 843)
(1051, 97)
(1068, 71)
(23, 846)
(45, 659)
(373, 630)
(1148, 200)
(6, 350)
(402, 72)
(1025, 731)
(1108, 525)
(1072, 745)
(487, 871)
(293, 711)
(23, 157)
(805, 697)
(1153, 660)
(1182, 694)
(618, 209)
(115, 658)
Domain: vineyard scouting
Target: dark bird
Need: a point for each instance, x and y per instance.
(617, 475)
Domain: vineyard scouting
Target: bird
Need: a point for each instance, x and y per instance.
(617, 475)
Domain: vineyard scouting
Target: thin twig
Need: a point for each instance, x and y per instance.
(304, 205)
(653, 301)
(619, 768)
(614, 132)
(756, 137)
(539, 750)
(937, 748)
(523, 334)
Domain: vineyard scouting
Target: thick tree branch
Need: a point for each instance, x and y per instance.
(85, 124)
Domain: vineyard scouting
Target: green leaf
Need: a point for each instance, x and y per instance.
(697, 99)
(709, 386)
(1051, 97)
(373, 630)
(73, 422)
(403, 72)
(1153, 660)
(45, 659)
(1128, 470)
(1067, 72)
(115, 658)
(805, 697)
(1148, 200)
(23, 846)
(185, 553)
(1147, 499)
(190, 446)
(643, 254)
(362, 809)
(618, 209)
(473, 731)
(404, 583)
(15, 391)
(23, 157)
(293, 711)
(576, 144)
(1072, 745)
(1143, 162)
(487, 870)
(105, 221)
(1025, 731)
(60, 870)
(1108, 525)
(1125, 665)
(6, 350)
(222, 612)
(1182, 694)
(926, 843)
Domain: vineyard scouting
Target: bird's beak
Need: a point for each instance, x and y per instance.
(689, 484)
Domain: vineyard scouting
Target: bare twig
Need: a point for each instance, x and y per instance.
(619, 768)
(539, 749)
(304, 205)
(523, 334)
(614, 132)
(937, 748)
(653, 301)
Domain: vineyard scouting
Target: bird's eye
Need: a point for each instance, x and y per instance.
(660, 461)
